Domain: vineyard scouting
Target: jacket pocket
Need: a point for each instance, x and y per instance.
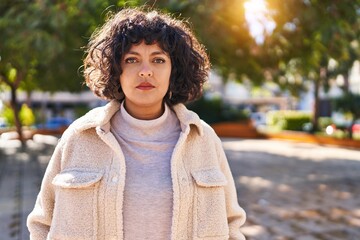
(76, 204)
(210, 204)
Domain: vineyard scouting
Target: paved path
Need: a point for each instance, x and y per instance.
(290, 191)
(21, 172)
(294, 191)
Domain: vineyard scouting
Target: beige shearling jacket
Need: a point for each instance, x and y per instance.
(81, 196)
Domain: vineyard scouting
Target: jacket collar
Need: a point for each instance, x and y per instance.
(188, 119)
(99, 118)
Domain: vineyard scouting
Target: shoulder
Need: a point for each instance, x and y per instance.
(96, 117)
(208, 130)
(91, 117)
(189, 118)
(85, 122)
(209, 133)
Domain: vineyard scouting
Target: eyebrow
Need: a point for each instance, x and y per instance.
(151, 54)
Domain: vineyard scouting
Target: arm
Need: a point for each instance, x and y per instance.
(236, 215)
(39, 220)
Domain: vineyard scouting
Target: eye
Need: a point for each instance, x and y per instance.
(159, 60)
(131, 60)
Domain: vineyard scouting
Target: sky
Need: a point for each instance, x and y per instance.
(259, 19)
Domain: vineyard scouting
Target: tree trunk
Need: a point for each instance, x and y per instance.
(316, 107)
(318, 82)
(350, 129)
(16, 109)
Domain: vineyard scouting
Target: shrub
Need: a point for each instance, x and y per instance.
(214, 110)
(288, 120)
(26, 115)
(80, 110)
(324, 122)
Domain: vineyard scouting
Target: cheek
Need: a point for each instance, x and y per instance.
(166, 80)
(123, 82)
(125, 75)
(121, 79)
(167, 74)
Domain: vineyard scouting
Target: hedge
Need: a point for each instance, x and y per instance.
(214, 111)
(288, 120)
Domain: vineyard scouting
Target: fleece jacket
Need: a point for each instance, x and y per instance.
(81, 196)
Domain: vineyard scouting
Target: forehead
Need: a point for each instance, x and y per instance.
(143, 48)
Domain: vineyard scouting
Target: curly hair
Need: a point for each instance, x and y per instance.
(108, 45)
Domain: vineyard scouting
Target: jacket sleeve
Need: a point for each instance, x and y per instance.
(39, 220)
(235, 214)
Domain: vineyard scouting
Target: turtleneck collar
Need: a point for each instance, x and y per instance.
(100, 118)
(161, 129)
(138, 123)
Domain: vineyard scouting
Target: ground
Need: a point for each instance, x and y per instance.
(290, 191)
(296, 191)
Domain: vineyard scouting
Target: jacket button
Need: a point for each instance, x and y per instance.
(183, 180)
(114, 179)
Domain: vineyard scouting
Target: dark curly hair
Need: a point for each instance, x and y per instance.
(107, 46)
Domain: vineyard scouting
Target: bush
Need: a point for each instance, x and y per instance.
(81, 110)
(26, 115)
(214, 110)
(324, 122)
(288, 120)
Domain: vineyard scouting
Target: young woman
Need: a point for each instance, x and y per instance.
(143, 166)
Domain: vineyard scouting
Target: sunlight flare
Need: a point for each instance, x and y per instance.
(259, 19)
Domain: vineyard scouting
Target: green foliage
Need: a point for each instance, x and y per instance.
(46, 37)
(221, 27)
(43, 40)
(324, 122)
(288, 120)
(41, 43)
(313, 32)
(81, 110)
(27, 117)
(208, 110)
(214, 110)
(309, 34)
(349, 102)
(8, 114)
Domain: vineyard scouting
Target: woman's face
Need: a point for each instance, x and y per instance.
(145, 79)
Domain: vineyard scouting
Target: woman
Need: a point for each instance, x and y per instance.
(143, 166)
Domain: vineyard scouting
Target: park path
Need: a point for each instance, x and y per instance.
(296, 191)
(21, 172)
(290, 191)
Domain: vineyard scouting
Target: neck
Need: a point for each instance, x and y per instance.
(144, 112)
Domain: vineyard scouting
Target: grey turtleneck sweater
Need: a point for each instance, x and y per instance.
(148, 198)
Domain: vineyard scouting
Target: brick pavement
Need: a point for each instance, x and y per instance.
(289, 190)
(21, 172)
(294, 191)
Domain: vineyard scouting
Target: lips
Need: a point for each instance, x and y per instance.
(145, 86)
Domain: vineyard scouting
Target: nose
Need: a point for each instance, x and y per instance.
(145, 71)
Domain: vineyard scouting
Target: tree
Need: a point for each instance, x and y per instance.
(309, 34)
(221, 27)
(41, 43)
(25, 45)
